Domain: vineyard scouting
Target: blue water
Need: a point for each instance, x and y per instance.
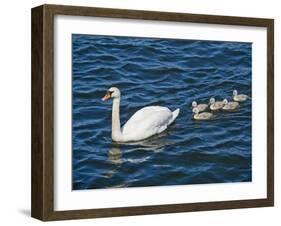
(163, 72)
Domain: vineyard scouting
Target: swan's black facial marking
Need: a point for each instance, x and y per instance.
(109, 93)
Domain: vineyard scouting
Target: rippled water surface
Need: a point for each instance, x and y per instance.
(169, 73)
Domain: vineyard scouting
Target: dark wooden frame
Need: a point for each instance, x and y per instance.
(42, 203)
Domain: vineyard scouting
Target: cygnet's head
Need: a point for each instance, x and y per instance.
(225, 101)
(195, 110)
(194, 104)
(235, 93)
(113, 92)
(212, 100)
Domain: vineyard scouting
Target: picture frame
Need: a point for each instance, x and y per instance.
(43, 108)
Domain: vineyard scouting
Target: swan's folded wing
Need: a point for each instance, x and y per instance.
(145, 112)
(147, 122)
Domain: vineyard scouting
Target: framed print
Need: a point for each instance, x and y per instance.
(141, 112)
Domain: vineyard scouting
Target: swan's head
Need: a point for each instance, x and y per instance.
(225, 101)
(194, 104)
(195, 110)
(212, 100)
(113, 92)
(235, 93)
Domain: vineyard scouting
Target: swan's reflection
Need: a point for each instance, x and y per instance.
(115, 154)
(156, 143)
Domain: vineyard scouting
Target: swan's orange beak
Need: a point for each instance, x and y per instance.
(106, 97)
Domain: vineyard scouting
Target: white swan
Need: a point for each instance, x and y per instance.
(239, 97)
(200, 107)
(145, 123)
(202, 116)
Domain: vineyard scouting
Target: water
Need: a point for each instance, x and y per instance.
(169, 73)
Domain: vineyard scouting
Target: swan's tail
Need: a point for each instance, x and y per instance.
(175, 115)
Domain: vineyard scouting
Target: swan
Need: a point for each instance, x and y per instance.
(230, 106)
(240, 97)
(216, 105)
(202, 116)
(145, 123)
(200, 107)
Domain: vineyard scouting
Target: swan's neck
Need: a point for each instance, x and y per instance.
(116, 130)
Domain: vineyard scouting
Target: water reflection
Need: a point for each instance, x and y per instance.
(120, 154)
(156, 144)
(115, 154)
